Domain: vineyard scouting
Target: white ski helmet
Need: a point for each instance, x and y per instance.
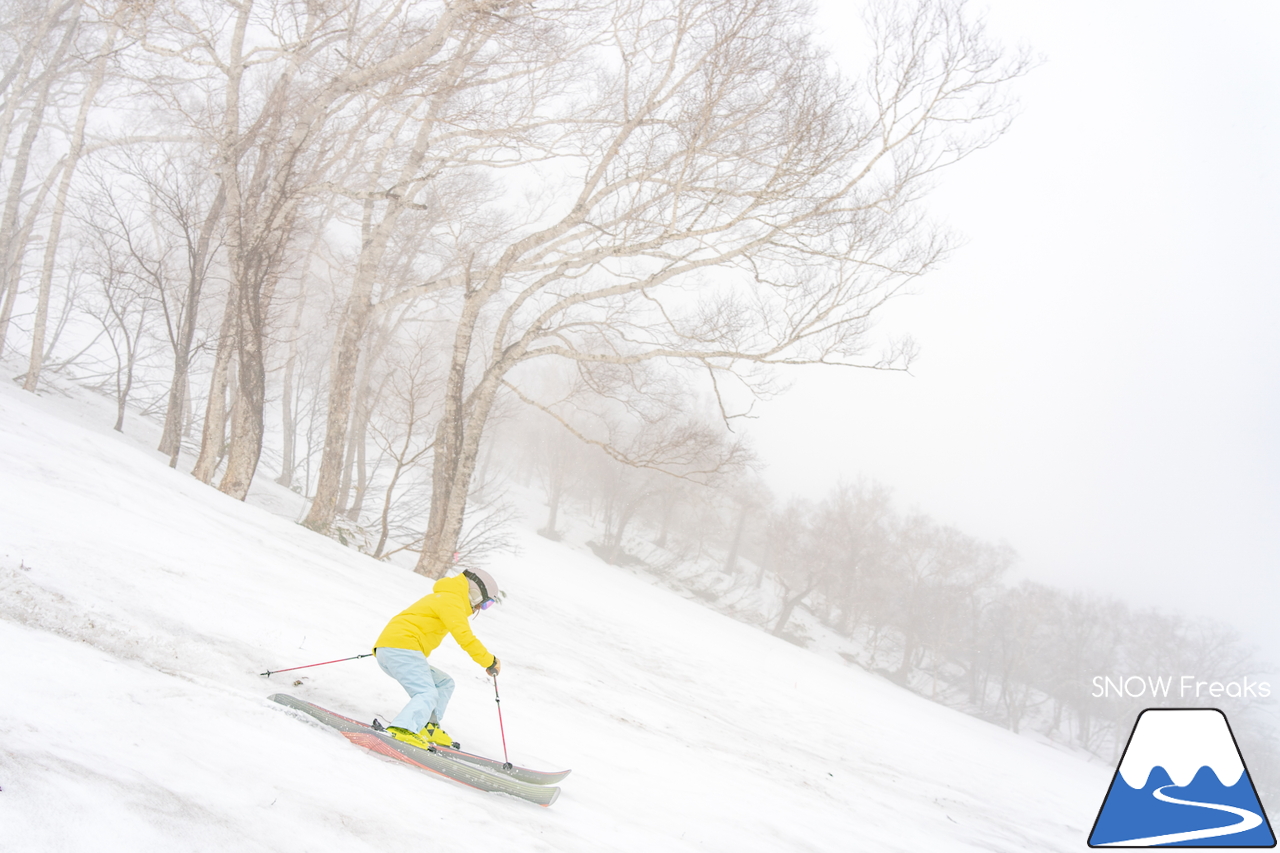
(482, 588)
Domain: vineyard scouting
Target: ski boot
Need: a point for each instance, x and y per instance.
(411, 738)
(434, 734)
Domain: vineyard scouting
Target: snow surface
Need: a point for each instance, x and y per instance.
(138, 607)
(1181, 741)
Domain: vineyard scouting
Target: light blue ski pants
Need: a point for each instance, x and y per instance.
(429, 688)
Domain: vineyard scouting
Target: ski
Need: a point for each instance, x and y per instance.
(430, 760)
(524, 774)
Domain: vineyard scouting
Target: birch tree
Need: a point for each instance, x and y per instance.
(165, 214)
(718, 198)
(479, 105)
(118, 16)
(291, 82)
(38, 53)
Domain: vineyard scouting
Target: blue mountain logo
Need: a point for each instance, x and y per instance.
(1182, 783)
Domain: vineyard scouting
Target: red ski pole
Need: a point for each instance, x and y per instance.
(506, 762)
(272, 672)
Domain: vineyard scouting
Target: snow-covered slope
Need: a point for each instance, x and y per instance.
(137, 608)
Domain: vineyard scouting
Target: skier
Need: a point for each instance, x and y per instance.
(403, 646)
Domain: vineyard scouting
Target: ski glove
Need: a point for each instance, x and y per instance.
(494, 668)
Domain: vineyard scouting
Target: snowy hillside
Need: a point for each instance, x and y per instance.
(137, 608)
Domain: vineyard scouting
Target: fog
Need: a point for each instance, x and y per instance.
(1098, 377)
(1096, 386)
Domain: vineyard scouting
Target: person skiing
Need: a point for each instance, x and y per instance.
(409, 638)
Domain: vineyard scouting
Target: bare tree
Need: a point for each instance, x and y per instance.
(213, 432)
(198, 237)
(794, 559)
(39, 42)
(745, 501)
(289, 84)
(856, 522)
(552, 456)
(164, 215)
(937, 569)
(117, 18)
(123, 308)
(479, 105)
(1020, 626)
(403, 423)
(369, 388)
(558, 455)
(1085, 638)
(726, 201)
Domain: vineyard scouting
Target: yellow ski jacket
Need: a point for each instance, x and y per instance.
(425, 622)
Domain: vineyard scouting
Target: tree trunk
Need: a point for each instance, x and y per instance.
(15, 239)
(247, 427)
(351, 502)
(70, 163)
(123, 391)
(229, 160)
(361, 472)
(344, 363)
(176, 414)
(384, 520)
(68, 303)
(553, 501)
(247, 415)
(288, 426)
(214, 434)
(261, 222)
(125, 388)
(346, 346)
(909, 645)
(175, 411)
(788, 607)
(12, 238)
(668, 509)
(457, 444)
(731, 562)
(614, 540)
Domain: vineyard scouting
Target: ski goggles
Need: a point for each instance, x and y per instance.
(486, 604)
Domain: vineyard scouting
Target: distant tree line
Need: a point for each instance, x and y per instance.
(920, 602)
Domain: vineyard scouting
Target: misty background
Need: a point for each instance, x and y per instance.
(1099, 383)
(420, 262)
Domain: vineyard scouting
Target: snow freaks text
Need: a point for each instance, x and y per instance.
(1181, 687)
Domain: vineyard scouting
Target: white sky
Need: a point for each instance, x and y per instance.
(1098, 383)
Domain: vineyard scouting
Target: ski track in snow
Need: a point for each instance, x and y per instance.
(138, 606)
